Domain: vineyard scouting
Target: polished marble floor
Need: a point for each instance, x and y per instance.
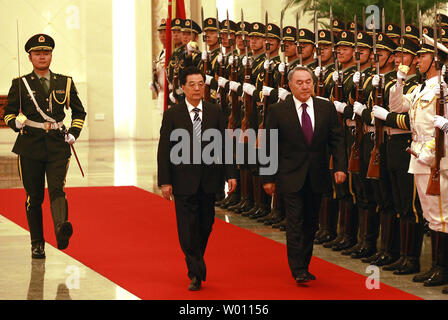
(120, 163)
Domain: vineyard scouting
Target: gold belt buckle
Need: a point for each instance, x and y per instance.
(47, 126)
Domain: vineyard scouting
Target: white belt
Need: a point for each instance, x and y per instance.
(421, 138)
(394, 131)
(44, 125)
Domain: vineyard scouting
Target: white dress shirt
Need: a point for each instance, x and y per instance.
(309, 109)
(191, 112)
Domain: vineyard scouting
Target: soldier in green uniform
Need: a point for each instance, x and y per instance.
(210, 56)
(306, 42)
(381, 187)
(35, 109)
(406, 200)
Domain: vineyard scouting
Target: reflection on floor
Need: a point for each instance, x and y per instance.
(122, 163)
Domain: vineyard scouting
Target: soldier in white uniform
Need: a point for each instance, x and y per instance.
(158, 84)
(421, 107)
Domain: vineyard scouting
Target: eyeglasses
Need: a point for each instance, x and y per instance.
(195, 84)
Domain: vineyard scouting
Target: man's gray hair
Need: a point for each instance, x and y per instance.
(298, 68)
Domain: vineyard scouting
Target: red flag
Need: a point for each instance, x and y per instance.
(179, 13)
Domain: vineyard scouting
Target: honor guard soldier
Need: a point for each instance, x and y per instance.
(157, 85)
(406, 200)
(325, 44)
(172, 69)
(338, 27)
(393, 32)
(35, 110)
(210, 56)
(306, 42)
(380, 183)
(421, 107)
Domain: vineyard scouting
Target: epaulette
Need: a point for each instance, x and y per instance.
(323, 98)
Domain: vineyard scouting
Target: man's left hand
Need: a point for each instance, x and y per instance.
(231, 184)
(339, 177)
(70, 139)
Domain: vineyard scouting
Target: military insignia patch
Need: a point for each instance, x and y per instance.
(269, 27)
(425, 31)
(408, 29)
(380, 37)
(360, 35)
(163, 21)
(288, 30)
(302, 33)
(210, 21)
(256, 26)
(335, 23)
(344, 34)
(390, 27)
(41, 39)
(322, 34)
(187, 23)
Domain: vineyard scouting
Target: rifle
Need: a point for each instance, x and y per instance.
(338, 85)
(176, 77)
(283, 78)
(154, 76)
(205, 63)
(354, 163)
(299, 48)
(320, 78)
(247, 99)
(373, 171)
(433, 187)
(235, 111)
(221, 64)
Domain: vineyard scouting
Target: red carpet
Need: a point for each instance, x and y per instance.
(129, 236)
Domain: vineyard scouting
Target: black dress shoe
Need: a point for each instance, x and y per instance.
(409, 266)
(302, 277)
(422, 277)
(195, 284)
(63, 234)
(364, 252)
(311, 276)
(384, 260)
(396, 265)
(38, 251)
(438, 278)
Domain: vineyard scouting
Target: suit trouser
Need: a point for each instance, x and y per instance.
(195, 217)
(302, 215)
(32, 173)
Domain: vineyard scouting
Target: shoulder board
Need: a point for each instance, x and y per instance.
(322, 98)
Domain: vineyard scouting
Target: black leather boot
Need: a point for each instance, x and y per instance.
(329, 209)
(368, 248)
(398, 264)
(414, 241)
(391, 243)
(360, 232)
(340, 228)
(440, 275)
(62, 227)
(422, 277)
(350, 227)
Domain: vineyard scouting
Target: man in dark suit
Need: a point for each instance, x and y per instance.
(35, 108)
(306, 127)
(193, 183)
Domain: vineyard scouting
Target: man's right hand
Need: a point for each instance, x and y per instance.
(269, 188)
(167, 191)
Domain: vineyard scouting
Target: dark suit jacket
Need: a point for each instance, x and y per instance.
(186, 178)
(295, 158)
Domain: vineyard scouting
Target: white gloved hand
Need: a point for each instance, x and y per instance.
(69, 138)
(402, 74)
(335, 76)
(267, 64)
(222, 82)
(282, 67)
(439, 122)
(191, 47)
(179, 91)
(425, 161)
(437, 89)
(379, 112)
(208, 79)
(233, 85)
(244, 62)
(356, 77)
(220, 58)
(376, 81)
(267, 90)
(317, 71)
(283, 93)
(443, 70)
(19, 125)
(249, 88)
(172, 98)
(358, 108)
(231, 59)
(204, 55)
(340, 106)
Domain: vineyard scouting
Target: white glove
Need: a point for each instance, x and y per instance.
(179, 91)
(283, 93)
(437, 89)
(244, 61)
(358, 108)
(439, 121)
(267, 90)
(267, 64)
(376, 81)
(19, 125)
(427, 161)
(379, 112)
(233, 85)
(69, 138)
(222, 82)
(173, 100)
(317, 71)
(340, 106)
(282, 67)
(336, 76)
(356, 77)
(443, 70)
(208, 79)
(220, 58)
(231, 58)
(204, 55)
(248, 88)
(191, 47)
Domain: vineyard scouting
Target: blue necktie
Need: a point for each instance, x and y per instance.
(307, 127)
(197, 123)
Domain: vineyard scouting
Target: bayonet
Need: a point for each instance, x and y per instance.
(402, 27)
(299, 48)
(282, 43)
(383, 21)
(229, 40)
(357, 57)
